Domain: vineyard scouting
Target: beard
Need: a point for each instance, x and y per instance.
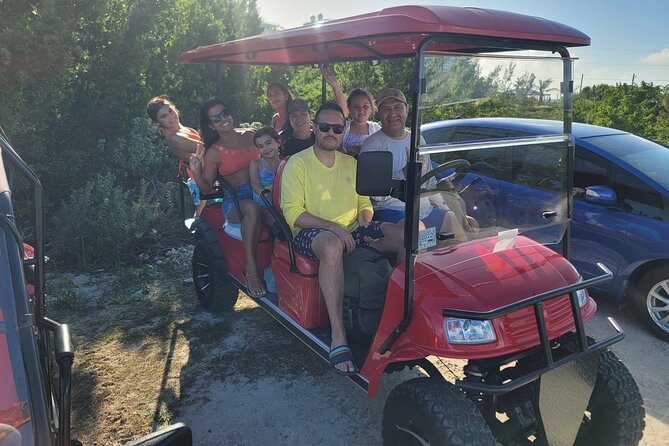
(328, 144)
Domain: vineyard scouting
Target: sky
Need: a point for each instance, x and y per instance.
(629, 39)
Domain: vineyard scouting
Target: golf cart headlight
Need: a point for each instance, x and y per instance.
(582, 298)
(469, 331)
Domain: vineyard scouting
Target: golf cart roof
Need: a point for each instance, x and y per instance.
(392, 32)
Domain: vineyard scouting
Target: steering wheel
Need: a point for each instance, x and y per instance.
(462, 166)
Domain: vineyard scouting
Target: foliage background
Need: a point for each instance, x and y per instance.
(75, 77)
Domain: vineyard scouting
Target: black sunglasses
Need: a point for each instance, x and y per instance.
(337, 128)
(220, 116)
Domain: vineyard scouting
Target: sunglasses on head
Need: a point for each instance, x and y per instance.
(220, 116)
(337, 128)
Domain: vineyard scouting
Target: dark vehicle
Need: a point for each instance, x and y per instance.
(621, 202)
(36, 353)
(495, 295)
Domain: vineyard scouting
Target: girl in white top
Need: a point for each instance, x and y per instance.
(360, 106)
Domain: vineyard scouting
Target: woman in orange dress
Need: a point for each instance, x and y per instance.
(228, 154)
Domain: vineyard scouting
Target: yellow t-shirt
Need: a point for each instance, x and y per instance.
(307, 185)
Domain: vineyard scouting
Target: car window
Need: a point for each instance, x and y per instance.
(636, 196)
(488, 162)
(590, 169)
(647, 157)
(462, 134)
(438, 135)
(537, 166)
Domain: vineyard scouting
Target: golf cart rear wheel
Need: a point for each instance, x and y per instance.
(214, 289)
(615, 413)
(428, 411)
(652, 299)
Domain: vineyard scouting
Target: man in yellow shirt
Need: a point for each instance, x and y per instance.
(328, 218)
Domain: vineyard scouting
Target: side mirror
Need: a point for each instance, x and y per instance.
(602, 195)
(175, 435)
(374, 175)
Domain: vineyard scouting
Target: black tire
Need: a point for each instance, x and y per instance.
(652, 300)
(615, 413)
(214, 289)
(434, 411)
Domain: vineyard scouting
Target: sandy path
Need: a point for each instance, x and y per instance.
(272, 390)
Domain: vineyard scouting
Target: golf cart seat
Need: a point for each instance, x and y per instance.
(296, 275)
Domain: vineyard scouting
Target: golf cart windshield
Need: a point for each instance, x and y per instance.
(479, 182)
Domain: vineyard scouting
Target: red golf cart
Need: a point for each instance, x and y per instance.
(36, 353)
(493, 291)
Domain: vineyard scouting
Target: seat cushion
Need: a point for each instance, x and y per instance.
(305, 265)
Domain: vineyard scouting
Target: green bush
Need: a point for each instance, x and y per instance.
(103, 221)
(130, 207)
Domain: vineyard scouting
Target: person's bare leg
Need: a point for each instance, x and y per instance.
(330, 251)
(251, 227)
(198, 209)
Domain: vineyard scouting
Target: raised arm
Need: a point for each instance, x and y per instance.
(332, 81)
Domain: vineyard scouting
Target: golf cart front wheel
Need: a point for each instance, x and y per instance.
(425, 411)
(615, 413)
(213, 287)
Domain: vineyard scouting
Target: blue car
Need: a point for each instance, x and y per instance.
(621, 201)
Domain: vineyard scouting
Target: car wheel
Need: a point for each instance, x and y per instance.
(615, 413)
(214, 289)
(426, 411)
(652, 299)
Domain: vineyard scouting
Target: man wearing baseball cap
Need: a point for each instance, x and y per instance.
(395, 138)
(299, 135)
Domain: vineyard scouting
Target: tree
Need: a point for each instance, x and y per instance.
(542, 88)
(637, 109)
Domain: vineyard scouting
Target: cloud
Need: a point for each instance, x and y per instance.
(659, 57)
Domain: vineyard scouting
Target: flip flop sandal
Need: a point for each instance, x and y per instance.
(341, 354)
(248, 289)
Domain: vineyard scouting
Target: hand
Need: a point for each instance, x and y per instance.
(345, 237)
(372, 232)
(421, 158)
(329, 76)
(196, 160)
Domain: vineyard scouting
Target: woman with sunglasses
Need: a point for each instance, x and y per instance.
(181, 140)
(228, 154)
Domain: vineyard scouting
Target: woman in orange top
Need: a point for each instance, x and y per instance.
(228, 154)
(182, 141)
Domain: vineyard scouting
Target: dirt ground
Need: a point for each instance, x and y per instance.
(148, 355)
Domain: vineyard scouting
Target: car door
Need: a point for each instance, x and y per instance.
(598, 232)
